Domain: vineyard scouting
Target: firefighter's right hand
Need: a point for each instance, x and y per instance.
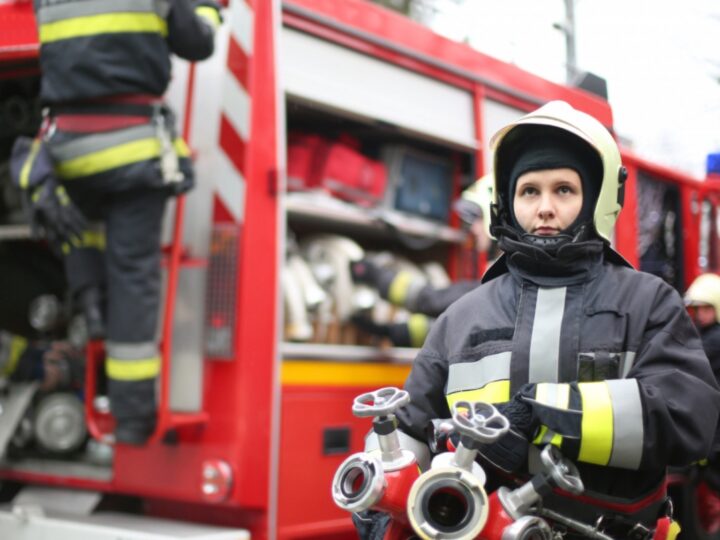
(371, 525)
(53, 214)
(398, 333)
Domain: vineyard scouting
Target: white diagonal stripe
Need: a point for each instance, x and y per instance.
(236, 105)
(241, 24)
(230, 186)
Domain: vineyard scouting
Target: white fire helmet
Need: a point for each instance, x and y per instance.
(561, 115)
(705, 290)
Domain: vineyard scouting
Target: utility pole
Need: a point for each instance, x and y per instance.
(568, 29)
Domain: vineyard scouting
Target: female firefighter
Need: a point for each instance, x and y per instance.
(574, 346)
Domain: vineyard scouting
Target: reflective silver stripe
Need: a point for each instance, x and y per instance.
(472, 375)
(101, 141)
(131, 351)
(545, 339)
(628, 432)
(421, 450)
(628, 359)
(71, 10)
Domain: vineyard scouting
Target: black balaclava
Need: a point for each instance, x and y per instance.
(531, 148)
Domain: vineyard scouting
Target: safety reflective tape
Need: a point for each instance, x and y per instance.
(92, 25)
(554, 395)
(18, 344)
(399, 288)
(48, 13)
(181, 147)
(132, 370)
(474, 375)
(27, 166)
(418, 326)
(89, 239)
(211, 15)
(544, 353)
(111, 158)
(495, 392)
(596, 439)
(131, 351)
(87, 144)
(628, 433)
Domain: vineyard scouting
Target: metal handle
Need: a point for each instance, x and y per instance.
(381, 402)
(480, 421)
(563, 472)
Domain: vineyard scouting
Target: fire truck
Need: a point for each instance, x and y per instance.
(310, 127)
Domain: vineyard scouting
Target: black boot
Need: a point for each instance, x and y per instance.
(90, 301)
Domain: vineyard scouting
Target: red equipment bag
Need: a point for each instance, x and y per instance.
(305, 155)
(349, 175)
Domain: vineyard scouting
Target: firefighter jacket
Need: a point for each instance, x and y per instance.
(105, 66)
(92, 49)
(622, 384)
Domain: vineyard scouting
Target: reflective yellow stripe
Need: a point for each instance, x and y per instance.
(18, 344)
(110, 158)
(109, 23)
(494, 392)
(597, 423)
(211, 15)
(318, 373)
(418, 329)
(27, 166)
(397, 293)
(181, 147)
(132, 370)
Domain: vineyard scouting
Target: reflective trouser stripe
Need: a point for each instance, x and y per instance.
(418, 327)
(495, 392)
(110, 23)
(211, 15)
(132, 361)
(116, 156)
(132, 370)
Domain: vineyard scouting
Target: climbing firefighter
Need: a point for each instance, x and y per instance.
(574, 346)
(703, 301)
(116, 156)
(424, 301)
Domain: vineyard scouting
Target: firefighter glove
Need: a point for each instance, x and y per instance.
(509, 453)
(365, 271)
(53, 214)
(371, 525)
(398, 333)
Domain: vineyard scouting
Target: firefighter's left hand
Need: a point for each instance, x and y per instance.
(53, 214)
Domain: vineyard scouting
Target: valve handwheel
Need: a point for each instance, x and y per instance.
(480, 421)
(381, 402)
(563, 472)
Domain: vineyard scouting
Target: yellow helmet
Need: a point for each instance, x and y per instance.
(705, 290)
(475, 201)
(561, 115)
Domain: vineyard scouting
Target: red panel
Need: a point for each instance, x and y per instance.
(232, 144)
(305, 472)
(18, 36)
(238, 63)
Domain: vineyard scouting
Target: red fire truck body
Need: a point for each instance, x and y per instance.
(270, 418)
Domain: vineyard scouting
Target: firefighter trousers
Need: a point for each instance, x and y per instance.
(123, 260)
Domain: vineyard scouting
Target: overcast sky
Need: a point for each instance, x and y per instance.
(661, 59)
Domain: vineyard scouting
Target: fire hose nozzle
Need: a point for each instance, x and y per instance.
(359, 483)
